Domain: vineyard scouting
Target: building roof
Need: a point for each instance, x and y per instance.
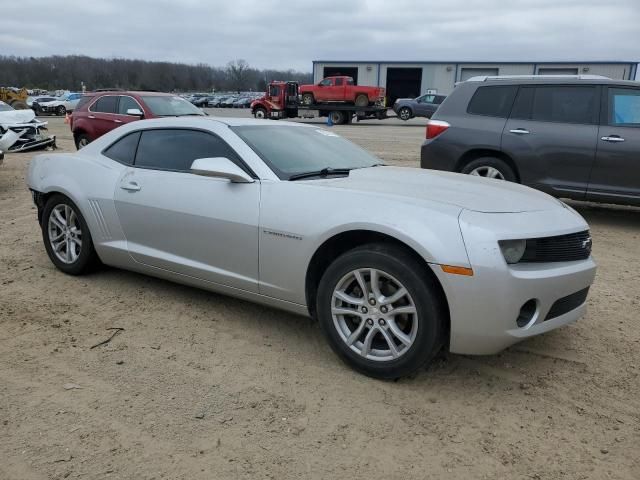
(484, 62)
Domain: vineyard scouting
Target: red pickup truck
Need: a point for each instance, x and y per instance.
(341, 89)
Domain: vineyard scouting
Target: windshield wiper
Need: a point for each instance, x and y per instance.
(325, 172)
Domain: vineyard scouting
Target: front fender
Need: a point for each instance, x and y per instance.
(314, 215)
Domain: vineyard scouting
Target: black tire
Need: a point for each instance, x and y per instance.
(362, 100)
(20, 105)
(60, 110)
(87, 259)
(337, 117)
(260, 113)
(308, 99)
(484, 164)
(431, 314)
(405, 113)
(81, 140)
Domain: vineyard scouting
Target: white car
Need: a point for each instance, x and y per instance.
(60, 106)
(394, 262)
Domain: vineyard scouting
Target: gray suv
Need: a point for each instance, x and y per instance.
(422, 106)
(573, 137)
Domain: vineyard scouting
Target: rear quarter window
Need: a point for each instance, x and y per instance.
(493, 101)
(124, 149)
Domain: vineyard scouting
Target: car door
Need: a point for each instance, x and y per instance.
(323, 92)
(616, 172)
(101, 114)
(551, 136)
(424, 106)
(125, 103)
(198, 226)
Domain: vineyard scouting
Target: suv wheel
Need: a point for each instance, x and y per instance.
(82, 140)
(61, 110)
(490, 167)
(380, 312)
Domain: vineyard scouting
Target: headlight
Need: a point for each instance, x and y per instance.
(512, 250)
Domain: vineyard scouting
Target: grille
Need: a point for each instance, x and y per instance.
(568, 303)
(560, 248)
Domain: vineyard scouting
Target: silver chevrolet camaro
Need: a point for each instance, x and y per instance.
(395, 263)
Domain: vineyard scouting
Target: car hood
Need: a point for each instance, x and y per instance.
(403, 100)
(13, 117)
(465, 191)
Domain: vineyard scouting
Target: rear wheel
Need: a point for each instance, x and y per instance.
(381, 313)
(260, 113)
(82, 140)
(337, 117)
(307, 99)
(404, 113)
(362, 100)
(66, 236)
(490, 167)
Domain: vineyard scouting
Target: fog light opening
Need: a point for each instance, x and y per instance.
(527, 313)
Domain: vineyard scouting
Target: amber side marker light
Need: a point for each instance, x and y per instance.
(457, 270)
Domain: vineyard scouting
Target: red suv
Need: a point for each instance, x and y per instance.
(99, 113)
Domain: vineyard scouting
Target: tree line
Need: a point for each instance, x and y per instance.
(71, 72)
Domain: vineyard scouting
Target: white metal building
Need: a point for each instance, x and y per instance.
(410, 79)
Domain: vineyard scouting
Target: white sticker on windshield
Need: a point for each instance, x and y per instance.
(326, 134)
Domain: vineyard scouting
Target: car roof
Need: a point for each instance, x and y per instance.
(550, 79)
(205, 121)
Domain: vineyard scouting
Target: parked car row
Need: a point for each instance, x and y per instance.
(223, 100)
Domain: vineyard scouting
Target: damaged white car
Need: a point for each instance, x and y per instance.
(21, 131)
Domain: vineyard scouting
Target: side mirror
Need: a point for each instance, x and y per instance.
(136, 112)
(220, 167)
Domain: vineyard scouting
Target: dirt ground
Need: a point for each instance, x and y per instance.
(201, 386)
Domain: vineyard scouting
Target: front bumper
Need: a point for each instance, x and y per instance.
(484, 308)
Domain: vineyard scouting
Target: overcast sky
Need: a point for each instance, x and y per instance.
(290, 34)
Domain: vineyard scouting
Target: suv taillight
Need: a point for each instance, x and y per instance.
(435, 128)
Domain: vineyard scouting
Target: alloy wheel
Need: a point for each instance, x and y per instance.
(65, 234)
(488, 172)
(374, 314)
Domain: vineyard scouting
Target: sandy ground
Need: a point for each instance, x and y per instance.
(200, 386)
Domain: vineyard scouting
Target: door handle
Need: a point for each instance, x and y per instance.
(520, 131)
(612, 138)
(117, 121)
(130, 186)
(91, 116)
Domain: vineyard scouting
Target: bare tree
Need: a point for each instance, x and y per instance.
(238, 75)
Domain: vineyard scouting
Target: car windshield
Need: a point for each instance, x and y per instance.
(170, 106)
(291, 151)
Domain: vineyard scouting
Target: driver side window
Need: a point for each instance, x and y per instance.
(326, 82)
(176, 149)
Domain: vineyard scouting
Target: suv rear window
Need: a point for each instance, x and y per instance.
(106, 104)
(83, 101)
(493, 101)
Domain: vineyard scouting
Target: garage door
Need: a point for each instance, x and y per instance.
(557, 71)
(467, 73)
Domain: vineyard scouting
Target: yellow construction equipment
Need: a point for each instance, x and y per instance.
(16, 98)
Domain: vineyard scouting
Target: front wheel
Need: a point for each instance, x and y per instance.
(260, 113)
(381, 312)
(66, 236)
(490, 167)
(61, 110)
(307, 99)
